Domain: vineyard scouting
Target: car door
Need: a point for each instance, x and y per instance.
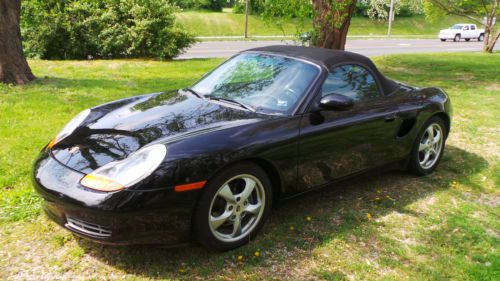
(472, 31)
(335, 144)
(466, 32)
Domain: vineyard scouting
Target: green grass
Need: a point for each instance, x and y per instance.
(204, 23)
(377, 227)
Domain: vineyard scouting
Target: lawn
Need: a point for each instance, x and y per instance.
(393, 226)
(205, 23)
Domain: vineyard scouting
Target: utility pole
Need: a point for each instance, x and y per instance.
(246, 18)
(391, 17)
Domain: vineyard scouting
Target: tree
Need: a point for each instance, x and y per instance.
(474, 11)
(331, 18)
(379, 9)
(14, 68)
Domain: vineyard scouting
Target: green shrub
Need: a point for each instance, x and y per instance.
(362, 8)
(214, 5)
(255, 7)
(82, 29)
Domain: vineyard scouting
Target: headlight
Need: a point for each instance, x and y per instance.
(70, 127)
(118, 175)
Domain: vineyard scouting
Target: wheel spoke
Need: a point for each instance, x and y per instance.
(423, 146)
(253, 208)
(430, 133)
(426, 158)
(249, 188)
(236, 226)
(436, 138)
(227, 194)
(216, 222)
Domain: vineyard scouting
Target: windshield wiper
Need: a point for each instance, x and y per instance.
(231, 101)
(193, 92)
(221, 99)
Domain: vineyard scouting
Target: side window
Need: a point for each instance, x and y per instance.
(350, 80)
(472, 27)
(466, 27)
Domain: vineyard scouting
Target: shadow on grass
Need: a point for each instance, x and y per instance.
(336, 212)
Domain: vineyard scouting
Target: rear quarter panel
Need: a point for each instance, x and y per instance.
(421, 104)
(434, 101)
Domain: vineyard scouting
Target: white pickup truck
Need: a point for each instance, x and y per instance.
(462, 31)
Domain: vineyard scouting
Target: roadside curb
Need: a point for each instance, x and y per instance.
(237, 37)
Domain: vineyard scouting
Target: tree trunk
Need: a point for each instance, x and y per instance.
(331, 25)
(486, 38)
(13, 66)
(491, 45)
(490, 38)
(487, 33)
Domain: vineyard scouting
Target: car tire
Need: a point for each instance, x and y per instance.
(426, 153)
(227, 201)
(442, 40)
(480, 38)
(456, 38)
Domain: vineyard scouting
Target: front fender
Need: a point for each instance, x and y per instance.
(199, 158)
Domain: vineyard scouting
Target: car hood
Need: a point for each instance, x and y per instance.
(114, 130)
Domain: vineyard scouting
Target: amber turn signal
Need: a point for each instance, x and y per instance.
(100, 183)
(52, 143)
(190, 186)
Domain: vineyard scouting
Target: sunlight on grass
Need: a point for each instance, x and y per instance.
(376, 227)
(204, 23)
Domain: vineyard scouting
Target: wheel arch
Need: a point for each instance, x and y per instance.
(269, 168)
(273, 174)
(446, 119)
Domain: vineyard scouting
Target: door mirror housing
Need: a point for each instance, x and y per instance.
(335, 102)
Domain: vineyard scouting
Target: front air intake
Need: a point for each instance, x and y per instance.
(86, 228)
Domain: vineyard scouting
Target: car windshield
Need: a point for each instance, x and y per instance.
(267, 83)
(457, 26)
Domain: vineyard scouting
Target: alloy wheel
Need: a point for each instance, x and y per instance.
(430, 146)
(236, 208)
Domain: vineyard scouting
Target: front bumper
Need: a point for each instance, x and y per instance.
(159, 216)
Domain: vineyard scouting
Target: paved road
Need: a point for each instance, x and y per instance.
(369, 47)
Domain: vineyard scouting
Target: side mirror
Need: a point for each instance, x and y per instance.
(335, 102)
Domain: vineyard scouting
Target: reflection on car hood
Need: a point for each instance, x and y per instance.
(114, 130)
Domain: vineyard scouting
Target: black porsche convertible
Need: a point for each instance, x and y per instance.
(209, 161)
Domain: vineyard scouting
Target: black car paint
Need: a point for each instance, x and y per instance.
(309, 149)
(143, 212)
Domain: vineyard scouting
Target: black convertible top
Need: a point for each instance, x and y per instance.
(328, 58)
